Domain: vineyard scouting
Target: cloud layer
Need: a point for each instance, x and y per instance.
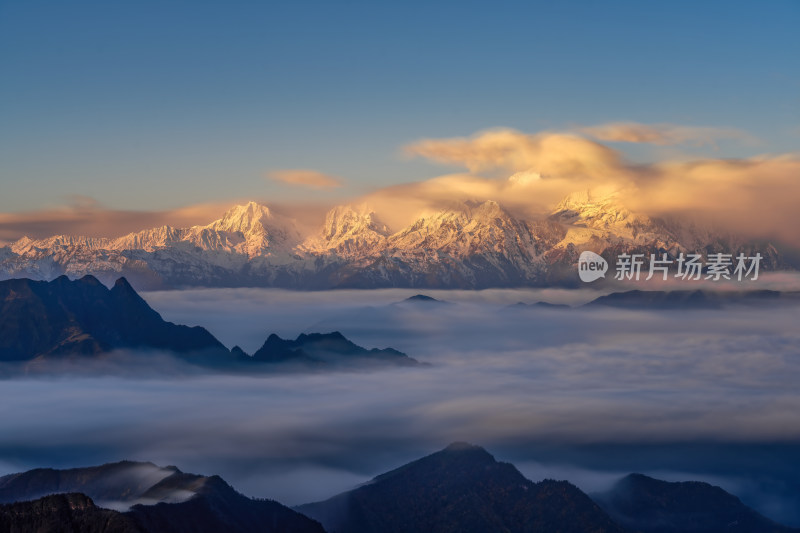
(531, 385)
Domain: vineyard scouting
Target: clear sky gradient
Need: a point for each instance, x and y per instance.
(153, 105)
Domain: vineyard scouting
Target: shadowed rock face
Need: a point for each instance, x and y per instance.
(65, 318)
(64, 513)
(162, 500)
(650, 505)
(460, 489)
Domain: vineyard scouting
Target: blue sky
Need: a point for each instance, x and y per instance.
(155, 105)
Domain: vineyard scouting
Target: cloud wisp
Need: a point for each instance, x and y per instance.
(663, 134)
(307, 178)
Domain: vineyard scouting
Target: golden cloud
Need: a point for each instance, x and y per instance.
(754, 197)
(552, 155)
(306, 178)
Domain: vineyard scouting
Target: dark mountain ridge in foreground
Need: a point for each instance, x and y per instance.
(461, 488)
(64, 513)
(157, 500)
(648, 505)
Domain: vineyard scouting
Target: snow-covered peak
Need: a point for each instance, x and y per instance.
(246, 219)
(349, 231)
(589, 216)
(584, 208)
(251, 229)
(347, 220)
(28, 245)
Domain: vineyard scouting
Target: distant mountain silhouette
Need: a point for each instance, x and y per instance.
(321, 349)
(161, 500)
(66, 318)
(649, 505)
(460, 489)
(422, 299)
(697, 299)
(64, 513)
(46, 321)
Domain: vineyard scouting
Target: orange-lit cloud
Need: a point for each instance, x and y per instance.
(663, 134)
(527, 173)
(754, 197)
(306, 178)
(551, 154)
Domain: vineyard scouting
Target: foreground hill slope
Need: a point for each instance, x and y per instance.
(152, 499)
(649, 505)
(460, 489)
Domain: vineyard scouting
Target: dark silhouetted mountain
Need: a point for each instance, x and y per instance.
(649, 505)
(216, 507)
(325, 349)
(111, 484)
(64, 319)
(83, 317)
(422, 300)
(698, 299)
(64, 513)
(159, 499)
(460, 489)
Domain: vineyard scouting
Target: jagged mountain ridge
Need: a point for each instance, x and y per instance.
(43, 322)
(468, 245)
(641, 503)
(146, 497)
(461, 488)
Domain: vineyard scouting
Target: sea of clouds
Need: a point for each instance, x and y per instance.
(575, 393)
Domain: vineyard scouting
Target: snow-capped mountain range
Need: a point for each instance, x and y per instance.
(472, 245)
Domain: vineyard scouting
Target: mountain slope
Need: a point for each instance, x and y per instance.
(460, 489)
(152, 499)
(64, 513)
(83, 317)
(649, 505)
